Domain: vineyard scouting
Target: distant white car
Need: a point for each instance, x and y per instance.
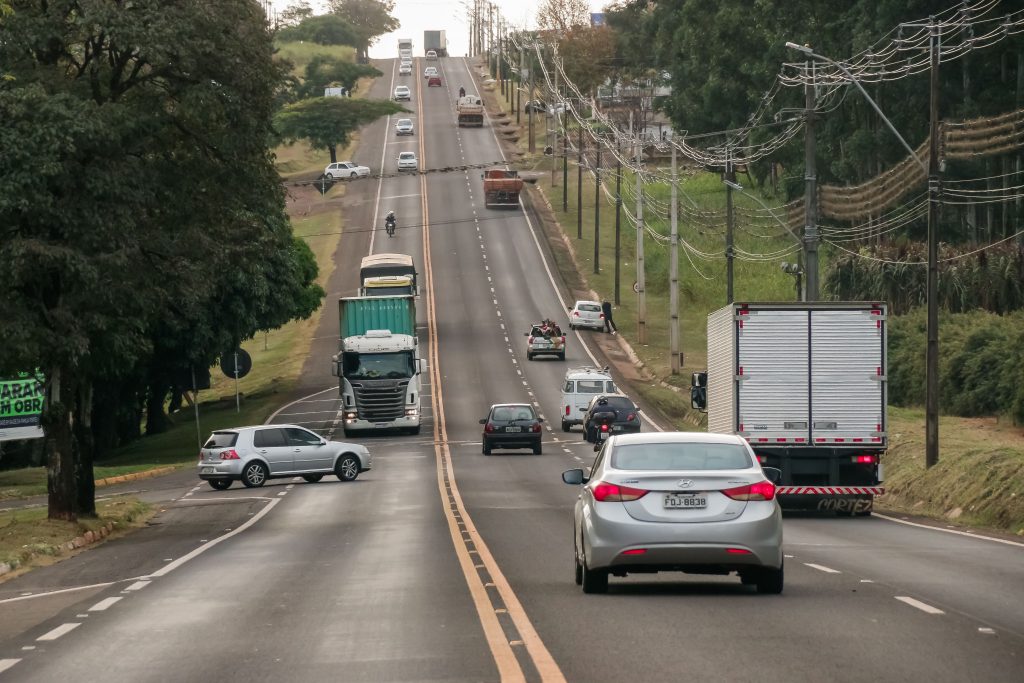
(430, 71)
(586, 314)
(346, 169)
(404, 127)
(405, 69)
(402, 92)
(432, 55)
(407, 161)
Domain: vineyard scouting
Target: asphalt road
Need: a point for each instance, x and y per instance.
(442, 564)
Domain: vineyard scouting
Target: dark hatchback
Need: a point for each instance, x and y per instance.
(512, 425)
(625, 416)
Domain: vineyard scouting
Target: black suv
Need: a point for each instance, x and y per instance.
(617, 410)
(512, 425)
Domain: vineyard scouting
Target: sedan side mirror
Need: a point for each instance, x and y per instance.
(483, 421)
(774, 474)
(574, 477)
(526, 334)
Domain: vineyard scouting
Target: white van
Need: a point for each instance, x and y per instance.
(579, 387)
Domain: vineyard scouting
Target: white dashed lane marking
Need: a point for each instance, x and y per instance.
(6, 664)
(59, 631)
(105, 604)
(924, 607)
(820, 568)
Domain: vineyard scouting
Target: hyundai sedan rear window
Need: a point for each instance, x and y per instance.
(221, 440)
(590, 308)
(681, 456)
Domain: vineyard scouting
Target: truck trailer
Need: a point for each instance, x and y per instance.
(378, 364)
(470, 111)
(405, 44)
(501, 188)
(387, 275)
(805, 385)
(436, 41)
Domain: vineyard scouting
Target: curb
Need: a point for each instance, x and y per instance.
(145, 474)
(88, 538)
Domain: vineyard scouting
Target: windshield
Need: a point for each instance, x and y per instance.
(378, 365)
(681, 456)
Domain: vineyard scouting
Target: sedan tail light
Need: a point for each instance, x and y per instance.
(530, 340)
(613, 493)
(630, 417)
(230, 454)
(762, 490)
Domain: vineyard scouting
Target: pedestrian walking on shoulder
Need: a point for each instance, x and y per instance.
(609, 324)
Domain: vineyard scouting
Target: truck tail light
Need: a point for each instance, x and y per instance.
(613, 493)
(865, 459)
(762, 490)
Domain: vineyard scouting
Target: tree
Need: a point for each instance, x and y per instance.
(371, 19)
(327, 122)
(137, 195)
(323, 29)
(588, 54)
(323, 71)
(562, 15)
(295, 13)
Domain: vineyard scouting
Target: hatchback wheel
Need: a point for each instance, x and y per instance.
(254, 475)
(347, 468)
(220, 484)
(486, 447)
(769, 581)
(312, 478)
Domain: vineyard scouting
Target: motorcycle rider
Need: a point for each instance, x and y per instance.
(389, 222)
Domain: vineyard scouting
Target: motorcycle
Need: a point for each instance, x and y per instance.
(603, 431)
(389, 226)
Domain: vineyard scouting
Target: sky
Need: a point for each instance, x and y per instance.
(418, 16)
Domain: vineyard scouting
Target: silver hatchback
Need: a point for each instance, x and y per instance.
(677, 501)
(254, 454)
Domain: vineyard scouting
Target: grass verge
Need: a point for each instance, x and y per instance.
(28, 539)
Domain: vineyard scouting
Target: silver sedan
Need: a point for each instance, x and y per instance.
(677, 501)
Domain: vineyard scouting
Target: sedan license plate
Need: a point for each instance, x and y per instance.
(209, 470)
(616, 428)
(513, 429)
(688, 501)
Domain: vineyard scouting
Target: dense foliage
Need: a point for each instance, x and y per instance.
(143, 224)
(981, 363)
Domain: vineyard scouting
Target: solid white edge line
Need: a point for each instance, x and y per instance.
(61, 630)
(822, 568)
(543, 260)
(298, 400)
(137, 586)
(924, 607)
(271, 502)
(105, 603)
(6, 664)
(948, 531)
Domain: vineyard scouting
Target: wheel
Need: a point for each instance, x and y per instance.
(220, 484)
(566, 427)
(354, 175)
(529, 356)
(254, 475)
(561, 356)
(538, 449)
(579, 567)
(588, 435)
(769, 581)
(347, 468)
(312, 478)
(572, 327)
(593, 580)
(414, 430)
(486, 447)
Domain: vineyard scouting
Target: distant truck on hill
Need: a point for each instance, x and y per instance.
(436, 41)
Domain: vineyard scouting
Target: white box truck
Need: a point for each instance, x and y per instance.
(805, 385)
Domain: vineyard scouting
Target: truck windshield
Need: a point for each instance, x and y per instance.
(378, 365)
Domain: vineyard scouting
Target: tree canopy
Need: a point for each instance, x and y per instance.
(327, 122)
(143, 221)
(370, 18)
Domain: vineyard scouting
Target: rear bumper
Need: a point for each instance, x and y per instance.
(513, 440)
(697, 547)
(224, 469)
(397, 423)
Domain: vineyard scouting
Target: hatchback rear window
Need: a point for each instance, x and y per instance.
(513, 413)
(221, 440)
(681, 456)
(620, 403)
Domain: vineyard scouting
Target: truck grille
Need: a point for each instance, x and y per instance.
(380, 400)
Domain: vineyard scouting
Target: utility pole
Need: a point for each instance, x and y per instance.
(810, 190)
(730, 221)
(519, 83)
(565, 165)
(579, 184)
(931, 452)
(490, 38)
(501, 56)
(673, 272)
(529, 114)
(597, 210)
(618, 216)
(554, 157)
(641, 309)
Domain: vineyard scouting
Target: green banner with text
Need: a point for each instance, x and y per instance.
(21, 401)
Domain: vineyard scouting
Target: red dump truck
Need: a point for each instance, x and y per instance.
(501, 188)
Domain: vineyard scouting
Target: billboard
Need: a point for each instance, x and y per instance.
(21, 406)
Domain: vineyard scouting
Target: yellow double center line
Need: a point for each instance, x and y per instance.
(494, 596)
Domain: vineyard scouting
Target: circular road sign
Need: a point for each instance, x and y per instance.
(227, 363)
